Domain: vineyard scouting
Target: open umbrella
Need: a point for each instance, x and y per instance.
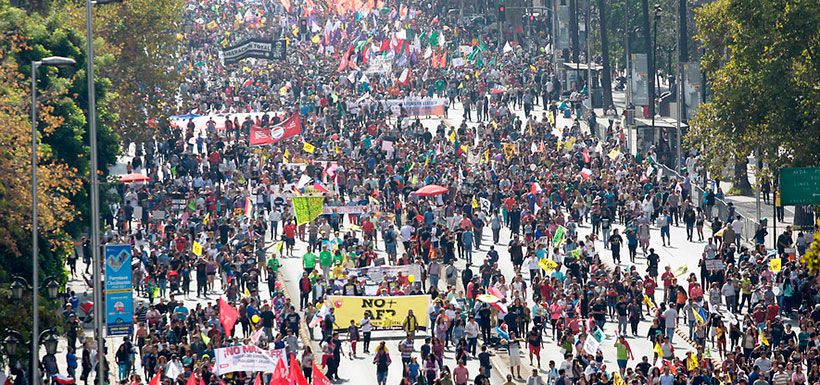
(431, 190)
(134, 177)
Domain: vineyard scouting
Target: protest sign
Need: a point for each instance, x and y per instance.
(262, 136)
(246, 358)
(385, 312)
(358, 209)
(255, 48)
(307, 209)
(417, 106)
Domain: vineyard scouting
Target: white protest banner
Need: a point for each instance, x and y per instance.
(346, 209)
(417, 106)
(379, 65)
(246, 358)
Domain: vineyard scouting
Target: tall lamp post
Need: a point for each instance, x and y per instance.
(52, 61)
(653, 76)
(95, 188)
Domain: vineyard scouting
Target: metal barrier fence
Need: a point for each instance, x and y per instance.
(720, 208)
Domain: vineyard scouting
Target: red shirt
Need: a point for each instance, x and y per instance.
(289, 230)
(649, 286)
(771, 311)
(667, 278)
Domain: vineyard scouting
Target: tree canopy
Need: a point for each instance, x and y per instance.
(761, 61)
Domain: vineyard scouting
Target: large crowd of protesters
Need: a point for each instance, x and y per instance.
(579, 200)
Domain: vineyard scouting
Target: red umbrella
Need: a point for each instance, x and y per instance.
(134, 177)
(431, 190)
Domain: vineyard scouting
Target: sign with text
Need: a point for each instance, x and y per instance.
(417, 106)
(246, 358)
(385, 312)
(260, 49)
(800, 186)
(119, 299)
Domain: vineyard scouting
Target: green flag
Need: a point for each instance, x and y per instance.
(433, 38)
(559, 235)
(481, 46)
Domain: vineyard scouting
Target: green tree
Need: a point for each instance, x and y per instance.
(136, 45)
(762, 71)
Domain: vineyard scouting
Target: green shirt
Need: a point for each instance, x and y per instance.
(274, 264)
(623, 353)
(325, 258)
(309, 260)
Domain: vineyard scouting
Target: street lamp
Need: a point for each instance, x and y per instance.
(52, 288)
(654, 62)
(17, 287)
(50, 342)
(95, 188)
(14, 340)
(53, 61)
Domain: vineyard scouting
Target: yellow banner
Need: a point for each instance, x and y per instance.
(308, 147)
(385, 312)
(196, 248)
(307, 209)
(775, 265)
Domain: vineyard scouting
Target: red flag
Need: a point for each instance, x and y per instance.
(585, 153)
(280, 374)
(227, 317)
(385, 45)
(157, 377)
(296, 375)
(258, 380)
(286, 5)
(262, 136)
(319, 378)
(192, 380)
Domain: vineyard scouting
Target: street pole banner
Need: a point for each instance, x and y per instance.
(119, 298)
(385, 312)
(640, 80)
(246, 358)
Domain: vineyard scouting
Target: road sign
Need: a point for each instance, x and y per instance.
(800, 186)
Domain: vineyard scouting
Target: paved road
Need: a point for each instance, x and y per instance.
(361, 370)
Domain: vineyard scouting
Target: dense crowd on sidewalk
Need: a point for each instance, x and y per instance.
(215, 221)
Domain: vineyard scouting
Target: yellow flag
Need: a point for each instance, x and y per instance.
(315, 39)
(286, 156)
(487, 156)
(247, 292)
(452, 136)
(204, 338)
(197, 249)
(308, 147)
(658, 350)
(763, 338)
(207, 218)
(698, 317)
(776, 264)
(617, 379)
(475, 202)
(614, 154)
(279, 246)
(692, 362)
(551, 119)
(569, 143)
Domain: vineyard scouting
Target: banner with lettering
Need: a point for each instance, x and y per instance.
(262, 136)
(358, 209)
(119, 297)
(307, 208)
(255, 48)
(246, 358)
(417, 106)
(385, 312)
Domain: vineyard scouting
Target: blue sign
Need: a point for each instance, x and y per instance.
(119, 297)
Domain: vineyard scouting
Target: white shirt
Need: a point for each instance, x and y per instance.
(406, 233)
(366, 325)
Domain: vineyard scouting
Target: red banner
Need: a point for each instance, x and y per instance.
(261, 136)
